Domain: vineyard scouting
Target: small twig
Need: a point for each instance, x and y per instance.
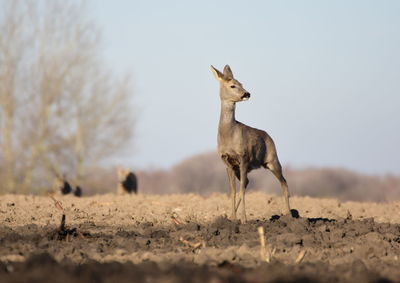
(62, 225)
(64, 233)
(57, 204)
(173, 218)
(272, 253)
(301, 256)
(265, 254)
(263, 250)
(186, 242)
(195, 246)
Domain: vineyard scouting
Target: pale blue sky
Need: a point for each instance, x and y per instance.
(324, 76)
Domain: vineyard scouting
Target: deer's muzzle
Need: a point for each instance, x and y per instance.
(245, 96)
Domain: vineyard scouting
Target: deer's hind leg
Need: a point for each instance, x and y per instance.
(276, 169)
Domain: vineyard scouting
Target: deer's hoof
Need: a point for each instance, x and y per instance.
(294, 213)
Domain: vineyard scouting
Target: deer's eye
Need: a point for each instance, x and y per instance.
(232, 86)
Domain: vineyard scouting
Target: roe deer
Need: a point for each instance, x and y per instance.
(241, 147)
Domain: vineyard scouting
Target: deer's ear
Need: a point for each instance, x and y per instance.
(228, 73)
(218, 75)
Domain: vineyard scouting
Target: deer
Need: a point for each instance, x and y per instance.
(243, 148)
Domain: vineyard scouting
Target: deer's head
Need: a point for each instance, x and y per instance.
(231, 89)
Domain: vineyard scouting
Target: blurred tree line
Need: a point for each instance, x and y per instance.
(61, 109)
(205, 174)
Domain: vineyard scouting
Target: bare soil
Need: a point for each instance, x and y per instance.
(188, 238)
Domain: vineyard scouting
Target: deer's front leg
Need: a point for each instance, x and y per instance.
(232, 185)
(243, 184)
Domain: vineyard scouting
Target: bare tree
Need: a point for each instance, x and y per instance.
(61, 110)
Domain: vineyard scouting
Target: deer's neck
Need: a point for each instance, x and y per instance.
(227, 116)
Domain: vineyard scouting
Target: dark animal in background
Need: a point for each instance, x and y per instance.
(130, 183)
(65, 188)
(127, 182)
(62, 186)
(78, 191)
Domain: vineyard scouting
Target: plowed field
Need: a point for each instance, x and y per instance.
(188, 238)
